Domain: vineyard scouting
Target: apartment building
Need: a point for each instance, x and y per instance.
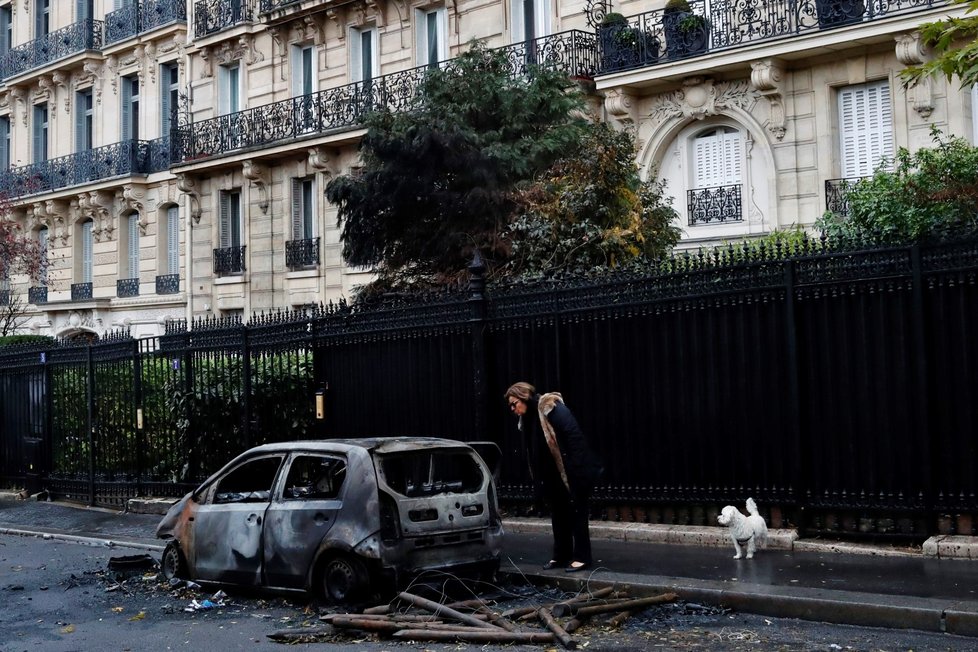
(173, 155)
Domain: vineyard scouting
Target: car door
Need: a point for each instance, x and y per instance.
(304, 510)
(227, 532)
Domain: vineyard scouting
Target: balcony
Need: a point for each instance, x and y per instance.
(81, 291)
(717, 205)
(142, 17)
(663, 35)
(127, 287)
(345, 107)
(127, 158)
(229, 261)
(268, 6)
(213, 16)
(302, 254)
(37, 295)
(168, 284)
(837, 194)
(78, 37)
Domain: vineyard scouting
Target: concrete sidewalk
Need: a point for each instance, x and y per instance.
(858, 584)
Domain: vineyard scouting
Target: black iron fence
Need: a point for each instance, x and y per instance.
(77, 37)
(139, 17)
(345, 107)
(268, 6)
(717, 205)
(835, 387)
(668, 34)
(129, 157)
(212, 16)
(837, 194)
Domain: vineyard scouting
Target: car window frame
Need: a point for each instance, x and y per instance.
(283, 478)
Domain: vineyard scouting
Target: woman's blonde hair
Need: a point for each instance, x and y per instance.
(520, 390)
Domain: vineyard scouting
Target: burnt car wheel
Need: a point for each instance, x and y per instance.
(173, 564)
(343, 579)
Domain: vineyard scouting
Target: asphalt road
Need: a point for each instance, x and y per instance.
(61, 596)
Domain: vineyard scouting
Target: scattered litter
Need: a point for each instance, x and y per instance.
(117, 610)
(203, 605)
(131, 562)
(219, 596)
(150, 577)
(139, 616)
(67, 629)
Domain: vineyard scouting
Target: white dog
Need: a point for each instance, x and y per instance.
(744, 530)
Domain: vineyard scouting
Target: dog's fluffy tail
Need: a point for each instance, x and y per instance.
(752, 507)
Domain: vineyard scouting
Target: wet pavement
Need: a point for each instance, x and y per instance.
(906, 590)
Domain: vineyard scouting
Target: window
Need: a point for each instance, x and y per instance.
(249, 483)
(42, 246)
(432, 27)
(229, 89)
(315, 478)
(85, 9)
(169, 95)
(717, 156)
(40, 126)
(531, 19)
(42, 18)
(130, 107)
(303, 70)
(83, 120)
(132, 246)
(172, 245)
(422, 473)
(85, 253)
(230, 227)
(303, 210)
(865, 127)
(6, 29)
(4, 142)
(363, 63)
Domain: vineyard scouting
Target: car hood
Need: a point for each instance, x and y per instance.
(168, 524)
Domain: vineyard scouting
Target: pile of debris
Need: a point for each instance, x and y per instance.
(414, 618)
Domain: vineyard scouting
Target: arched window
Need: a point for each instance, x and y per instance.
(716, 185)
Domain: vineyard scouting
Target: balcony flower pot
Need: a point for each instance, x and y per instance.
(687, 34)
(623, 46)
(833, 13)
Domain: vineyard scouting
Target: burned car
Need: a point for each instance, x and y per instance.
(335, 517)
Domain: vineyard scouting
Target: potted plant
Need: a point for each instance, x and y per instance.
(832, 13)
(623, 46)
(686, 33)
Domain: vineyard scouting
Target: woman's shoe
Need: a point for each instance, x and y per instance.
(552, 564)
(576, 566)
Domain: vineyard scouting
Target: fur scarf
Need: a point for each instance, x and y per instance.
(545, 406)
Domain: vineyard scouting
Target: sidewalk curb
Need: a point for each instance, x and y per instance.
(838, 607)
(56, 535)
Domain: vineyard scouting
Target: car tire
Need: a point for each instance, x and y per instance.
(343, 579)
(173, 565)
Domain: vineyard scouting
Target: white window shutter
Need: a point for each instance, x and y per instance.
(86, 253)
(296, 209)
(225, 225)
(173, 240)
(717, 158)
(133, 245)
(865, 127)
(42, 245)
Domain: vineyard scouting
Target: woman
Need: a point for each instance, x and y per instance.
(563, 466)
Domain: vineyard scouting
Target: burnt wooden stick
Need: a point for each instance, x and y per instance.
(559, 632)
(287, 634)
(367, 624)
(558, 607)
(570, 608)
(475, 636)
(328, 618)
(628, 605)
(379, 609)
(497, 619)
(619, 618)
(442, 626)
(474, 603)
(519, 612)
(573, 625)
(442, 610)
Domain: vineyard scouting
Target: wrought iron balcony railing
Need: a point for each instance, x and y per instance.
(302, 253)
(129, 157)
(37, 294)
(717, 205)
(81, 291)
(229, 261)
(78, 37)
(666, 35)
(168, 284)
(127, 287)
(346, 106)
(268, 6)
(837, 194)
(212, 16)
(142, 17)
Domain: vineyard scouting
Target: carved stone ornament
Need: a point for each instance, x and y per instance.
(91, 72)
(131, 198)
(247, 41)
(766, 77)
(371, 8)
(260, 176)
(19, 96)
(310, 29)
(149, 63)
(4, 99)
(912, 51)
(701, 97)
(337, 15)
(97, 206)
(321, 161)
(188, 186)
(46, 92)
(60, 79)
(53, 215)
(620, 105)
